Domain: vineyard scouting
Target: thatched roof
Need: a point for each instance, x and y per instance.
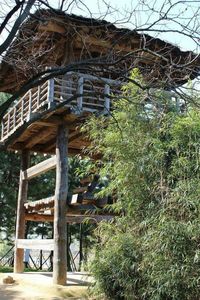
(53, 38)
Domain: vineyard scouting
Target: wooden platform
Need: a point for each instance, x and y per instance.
(32, 122)
(40, 136)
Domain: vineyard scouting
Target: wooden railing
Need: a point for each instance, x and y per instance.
(87, 93)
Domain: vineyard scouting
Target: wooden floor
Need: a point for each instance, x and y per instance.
(39, 134)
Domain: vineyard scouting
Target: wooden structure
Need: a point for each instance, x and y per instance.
(46, 118)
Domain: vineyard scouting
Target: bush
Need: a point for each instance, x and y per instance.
(116, 263)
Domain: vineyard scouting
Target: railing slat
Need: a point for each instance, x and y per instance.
(30, 104)
(107, 98)
(2, 129)
(50, 92)
(80, 93)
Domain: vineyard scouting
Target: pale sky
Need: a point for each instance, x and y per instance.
(119, 12)
(134, 15)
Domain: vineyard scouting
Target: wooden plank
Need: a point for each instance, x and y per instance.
(69, 218)
(61, 191)
(38, 95)
(20, 223)
(52, 26)
(96, 78)
(42, 204)
(50, 92)
(2, 128)
(80, 93)
(30, 104)
(44, 133)
(40, 168)
(46, 244)
(107, 99)
(75, 135)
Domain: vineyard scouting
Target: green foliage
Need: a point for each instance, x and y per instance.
(6, 269)
(9, 174)
(116, 263)
(152, 159)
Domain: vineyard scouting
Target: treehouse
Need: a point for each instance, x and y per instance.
(65, 68)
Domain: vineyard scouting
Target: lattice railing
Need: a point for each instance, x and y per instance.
(87, 93)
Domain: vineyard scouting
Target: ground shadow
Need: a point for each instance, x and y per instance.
(6, 293)
(71, 278)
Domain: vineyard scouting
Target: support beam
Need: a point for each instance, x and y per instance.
(43, 134)
(45, 244)
(42, 204)
(60, 259)
(92, 219)
(40, 168)
(20, 223)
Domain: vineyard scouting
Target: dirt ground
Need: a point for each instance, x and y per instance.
(38, 286)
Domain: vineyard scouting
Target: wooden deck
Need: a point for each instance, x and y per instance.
(32, 121)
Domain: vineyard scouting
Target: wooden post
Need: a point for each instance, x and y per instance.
(107, 99)
(30, 105)
(80, 247)
(60, 241)
(38, 96)
(69, 269)
(51, 93)
(2, 128)
(80, 93)
(22, 110)
(8, 125)
(14, 117)
(20, 223)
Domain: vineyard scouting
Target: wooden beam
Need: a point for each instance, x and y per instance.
(20, 223)
(33, 140)
(75, 135)
(40, 204)
(40, 168)
(52, 26)
(69, 218)
(72, 136)
(39, 217)
(61, 191)
(46, 244)
(51, 121)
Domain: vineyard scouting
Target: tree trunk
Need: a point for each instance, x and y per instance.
(60, 258)
(20, 223)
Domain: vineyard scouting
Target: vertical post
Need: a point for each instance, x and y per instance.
(30, 104)
(22, 109)
(38, 96)
(2, 128)
(14, 117)
(69, 269)
(80, 93)
(8, 125)
(81, 247)
(60, 241)
(20, 223)
(50, 92)
(106, 98)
